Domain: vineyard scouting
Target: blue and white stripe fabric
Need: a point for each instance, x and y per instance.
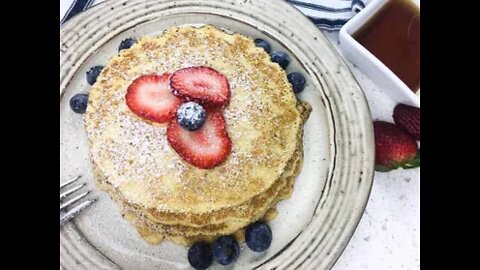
(329, 14)
(326, 14)
(76, 7)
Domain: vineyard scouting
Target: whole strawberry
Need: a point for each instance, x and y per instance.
(394, 148)
(408, 117)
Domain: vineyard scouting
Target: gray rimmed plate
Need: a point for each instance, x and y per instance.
(314, 225)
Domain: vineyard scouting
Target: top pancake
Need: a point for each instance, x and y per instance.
(134, 156)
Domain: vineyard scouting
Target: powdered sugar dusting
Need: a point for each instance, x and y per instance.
(134, 155)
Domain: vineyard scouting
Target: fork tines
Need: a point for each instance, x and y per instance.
(69, 205)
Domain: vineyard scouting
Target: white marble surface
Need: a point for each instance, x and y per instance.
(388, 236)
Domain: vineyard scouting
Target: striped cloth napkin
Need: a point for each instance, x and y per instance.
(329, 14)
(326, 14)
(76, 7)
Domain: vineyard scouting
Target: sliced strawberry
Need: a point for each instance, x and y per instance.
(149, 97)
(204, 148)
(201, 84)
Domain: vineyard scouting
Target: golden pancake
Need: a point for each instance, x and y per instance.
(160, 193)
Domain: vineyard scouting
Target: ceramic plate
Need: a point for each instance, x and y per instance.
(314, 225)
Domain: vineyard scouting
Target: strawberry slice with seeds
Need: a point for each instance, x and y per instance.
(201, 84)
(150, 98)
(205, 148)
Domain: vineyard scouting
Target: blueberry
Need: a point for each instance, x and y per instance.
(126, 44)
(263, 44)
(225, 250)
(200, 256)
(298, 81)
(78, 103)
(281, 58)
(258, 236)
(191, 116)
(93, 73)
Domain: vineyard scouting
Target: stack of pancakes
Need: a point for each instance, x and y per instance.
(158, 192)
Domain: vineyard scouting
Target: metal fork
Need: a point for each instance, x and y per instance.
(70, 206)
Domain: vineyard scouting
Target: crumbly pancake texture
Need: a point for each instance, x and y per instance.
(158, 192)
